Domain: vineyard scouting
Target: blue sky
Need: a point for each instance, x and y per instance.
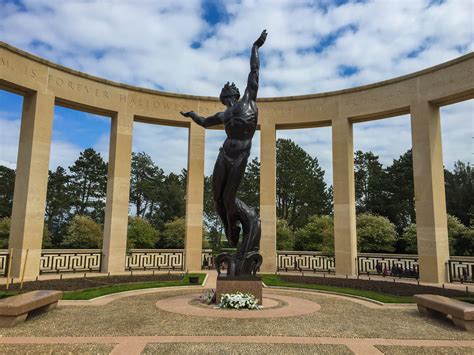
(195, 46)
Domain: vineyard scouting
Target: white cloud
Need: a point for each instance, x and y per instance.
(167, 146)
(151, 44)
(63, 154)
(9, 138)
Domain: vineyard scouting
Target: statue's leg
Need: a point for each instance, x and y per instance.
(234, 177)
(218, 182)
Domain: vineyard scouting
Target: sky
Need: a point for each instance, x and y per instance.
(194, 47)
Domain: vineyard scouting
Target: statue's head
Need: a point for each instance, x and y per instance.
(229, 94)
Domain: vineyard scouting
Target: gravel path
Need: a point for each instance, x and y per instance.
(138, 316)
(424, 350)
(239, 348)
(56, 349)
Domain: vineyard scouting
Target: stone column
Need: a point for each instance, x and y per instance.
(118, 188)
(345, 237)
(31, 183)
(430, 200)
(268, 196)
(194, 197)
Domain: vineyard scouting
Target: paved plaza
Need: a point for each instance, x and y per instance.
(168, 321)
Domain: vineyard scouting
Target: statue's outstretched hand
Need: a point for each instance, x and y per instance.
(187, 114)
(261, 40)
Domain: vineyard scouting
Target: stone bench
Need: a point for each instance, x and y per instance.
(462, 313)
(15, 309)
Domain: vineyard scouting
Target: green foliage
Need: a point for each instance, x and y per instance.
(88, 185)
(461, 238)
(173, 233)
(4, 232)
(369, 183)
(459, 186)
(273, 280)
(399, 189)
(91, 293)
(408, 241)
(83, 232)
(7, 186)
(172, 203)
(249, 190)
(58, 203)
(141, 234)
(375, 234)
(146, 183)
(5, 224)
(301, 190)
(317, 235)
(285, 236)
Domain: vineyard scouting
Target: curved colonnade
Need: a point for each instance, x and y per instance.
(44, 84)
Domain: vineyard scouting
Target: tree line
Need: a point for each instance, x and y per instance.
(75, 205)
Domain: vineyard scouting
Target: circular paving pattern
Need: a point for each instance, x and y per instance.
(274, 306)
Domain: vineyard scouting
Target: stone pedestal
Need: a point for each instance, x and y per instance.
(244, 284)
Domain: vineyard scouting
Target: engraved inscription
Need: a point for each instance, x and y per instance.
(24, 69)
(80, 88)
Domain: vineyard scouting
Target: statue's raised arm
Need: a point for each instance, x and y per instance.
(252, 82)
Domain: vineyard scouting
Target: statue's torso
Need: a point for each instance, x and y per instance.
(240, 123)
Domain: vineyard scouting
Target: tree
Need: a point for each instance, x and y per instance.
(88, 184)
(317, 235)
(301, 190)
(460, 192)
(58, 203)
(400, 204)
(284, 235)
(461, 238)
(7, 186)
(172, 201)
(5, 223)
(4, 232)
(369, 183)
(146, 181)
(173, 233)
(375, 234)
(141, 234)
(407, 242)
(249, 189)
(83, 232)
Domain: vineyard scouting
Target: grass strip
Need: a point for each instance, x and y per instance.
(273, 280)
(94, 292)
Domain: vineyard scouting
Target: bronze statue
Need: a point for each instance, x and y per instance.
(240, 122)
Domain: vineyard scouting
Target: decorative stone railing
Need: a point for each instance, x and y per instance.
(459, 269)
(155, 259)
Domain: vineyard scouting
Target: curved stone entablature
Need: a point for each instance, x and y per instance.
(44, 84)
(445, 83)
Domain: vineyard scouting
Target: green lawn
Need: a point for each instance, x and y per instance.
(273, 280)
(94, 292)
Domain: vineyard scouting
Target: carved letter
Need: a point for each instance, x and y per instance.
(33, 73)
(123, 98)
(59, 82)
(5, 62)
(69, 85)
(106, 94)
